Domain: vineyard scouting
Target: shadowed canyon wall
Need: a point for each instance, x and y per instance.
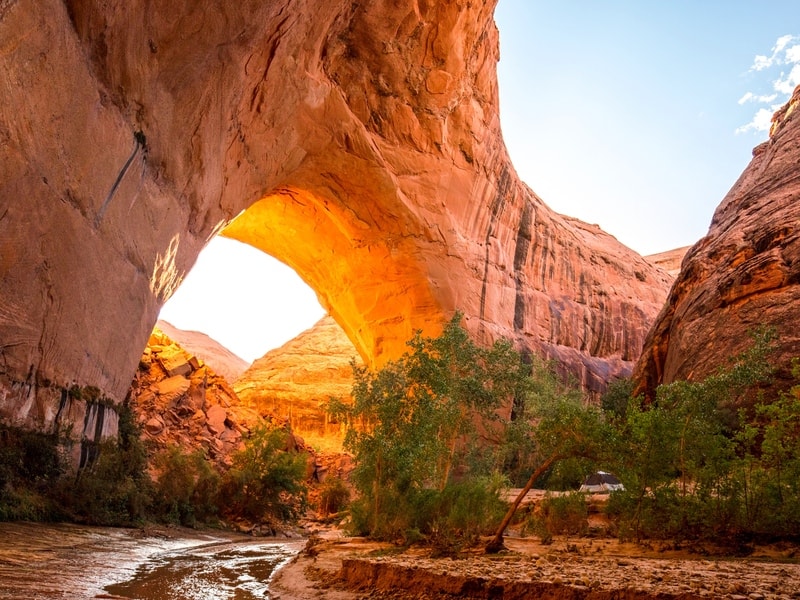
(745, 273)
(358, 143)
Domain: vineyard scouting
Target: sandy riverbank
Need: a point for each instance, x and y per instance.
(341, 568)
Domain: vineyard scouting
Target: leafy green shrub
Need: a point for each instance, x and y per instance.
(333, 495)
(473, 507)
(186, 487)
(448, 520)
(114, 488)
(30, 464)
(265, 479)
(561, 514)
(25, 504)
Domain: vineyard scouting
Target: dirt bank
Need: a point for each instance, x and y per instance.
(348, 569)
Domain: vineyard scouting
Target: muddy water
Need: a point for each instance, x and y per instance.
(66, 561)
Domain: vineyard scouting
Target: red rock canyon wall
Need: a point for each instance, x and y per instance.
(743, 274)
(359, 143)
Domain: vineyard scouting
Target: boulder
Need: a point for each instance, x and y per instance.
(171, 390)
(215, 419)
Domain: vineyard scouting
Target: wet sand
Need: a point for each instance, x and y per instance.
(42, 561)
(39, 561)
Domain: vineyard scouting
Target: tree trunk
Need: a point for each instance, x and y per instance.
(496, 544)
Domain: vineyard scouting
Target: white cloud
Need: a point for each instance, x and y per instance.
(761, 62)
(751, 97)
(791, 55)
(786, 84)
(762, 121)
(782, 42)
(786, 51)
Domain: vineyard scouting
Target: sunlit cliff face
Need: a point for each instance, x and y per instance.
(360, 143)
(365, 275)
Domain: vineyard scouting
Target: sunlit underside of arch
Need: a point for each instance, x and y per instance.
(373, 287)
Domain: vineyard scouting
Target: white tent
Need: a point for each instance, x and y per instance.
(601, 482)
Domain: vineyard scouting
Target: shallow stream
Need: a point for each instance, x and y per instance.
(67, 561)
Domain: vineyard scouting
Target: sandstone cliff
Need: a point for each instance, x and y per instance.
(670, 260)
(359, 143)
(215, 355)
(743, 274)
(295, 381)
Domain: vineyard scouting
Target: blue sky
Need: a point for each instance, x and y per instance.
(635, 115)
(626, 113)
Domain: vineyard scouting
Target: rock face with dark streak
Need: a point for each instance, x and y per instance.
(358, 142)
(743, 274)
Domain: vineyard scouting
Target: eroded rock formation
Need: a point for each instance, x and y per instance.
(215, 355)
(670, 260)
(745, 273)
(295, 381)
(359, 143)
(178, 400)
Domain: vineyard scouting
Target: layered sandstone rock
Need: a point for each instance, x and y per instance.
(358, 143)
(670, 260)
(295, 381)
(745, 273)
(179, 401)
(215, 355)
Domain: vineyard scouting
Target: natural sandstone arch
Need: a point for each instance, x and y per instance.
(374, 286)
(384, 113)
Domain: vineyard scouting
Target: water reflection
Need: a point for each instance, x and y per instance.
(44, 561)
(218, 572)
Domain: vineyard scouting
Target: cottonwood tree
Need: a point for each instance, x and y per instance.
(684, 454)
(557, 425)
(411, 422)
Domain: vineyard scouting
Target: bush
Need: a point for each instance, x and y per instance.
(473, 507)
(186, 487)
(563, 514)
(30, 464)
(114, 488)
(333, 495)
(265, 479)
(448, 520)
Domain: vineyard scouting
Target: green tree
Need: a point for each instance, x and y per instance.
(678, 453)
(559, 425)
(767, 471)
(265, 479)
(412, 425)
